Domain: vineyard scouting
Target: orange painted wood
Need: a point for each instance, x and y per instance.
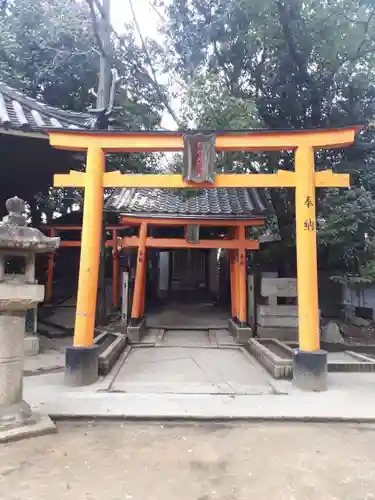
(140, 273)
(242, 285)
(73, 228)
(262, 140)
(144, 279)
(133, 241)
(77, 243)
(184, 222)
(241, 273)
(232, 258)
(281, 178)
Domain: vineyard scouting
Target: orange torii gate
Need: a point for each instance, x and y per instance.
(310, 363)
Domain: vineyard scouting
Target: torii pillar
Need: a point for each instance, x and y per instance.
(310, 362)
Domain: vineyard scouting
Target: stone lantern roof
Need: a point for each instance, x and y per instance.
(16, 236)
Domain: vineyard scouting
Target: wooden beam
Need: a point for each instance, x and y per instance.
(241, 273)
(233, 287)
(77, 243)
(76, 227)
(90, 252)
(282, 178)
(135, 221)
(140, 272)
(307, 268)
(262, 140)
(134, 241)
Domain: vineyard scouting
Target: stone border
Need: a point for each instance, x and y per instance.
(286, 334)
(241, 333)
(109, 356)
(366, 364)
(278, 367)
(136, 332)
(43, 425)
(283, 368)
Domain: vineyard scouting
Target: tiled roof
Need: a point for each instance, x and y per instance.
(22, 113)
(213, 203)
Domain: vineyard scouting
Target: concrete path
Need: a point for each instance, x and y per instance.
(351, 397)
(205, 461)
(51, 357)
(207, 378)
(191, 370)
(188, 316)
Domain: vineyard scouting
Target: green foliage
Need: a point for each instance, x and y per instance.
(210, 105)
(281, 64)
(49, 50)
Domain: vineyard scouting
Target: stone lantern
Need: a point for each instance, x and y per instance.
(19, 291)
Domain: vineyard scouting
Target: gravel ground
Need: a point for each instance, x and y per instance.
(202, 461)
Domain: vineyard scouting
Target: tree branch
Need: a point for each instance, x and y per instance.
(153, 80)
(95, 26)
(153, 72)
(366, 28)
(161, 17)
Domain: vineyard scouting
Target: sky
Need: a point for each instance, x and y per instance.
(146, 16)
(148, 21)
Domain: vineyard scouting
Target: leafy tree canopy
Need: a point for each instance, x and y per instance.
(50, 50)
(281, 64)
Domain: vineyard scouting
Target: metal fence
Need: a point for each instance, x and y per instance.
(31, 320)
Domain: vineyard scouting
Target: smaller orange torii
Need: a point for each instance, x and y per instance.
(304, 179)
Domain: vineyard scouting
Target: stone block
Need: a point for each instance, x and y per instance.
(278, 287)
(277, 321)
(239, 332)
(331, 333)
(12, 327)
(136, 331)
(278, 311)
(360, 322)
(286, 334)
(17, 421)
(31, 345)
(20, 296)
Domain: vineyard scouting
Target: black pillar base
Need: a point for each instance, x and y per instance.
(81, 365)
(310, 370)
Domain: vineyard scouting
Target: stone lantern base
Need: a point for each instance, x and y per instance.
(16, 418)
(18, 421)
(19, 292)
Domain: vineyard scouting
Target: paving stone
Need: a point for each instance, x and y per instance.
(223, 337)
(183, 370)
(186, 337)
(194, 316)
